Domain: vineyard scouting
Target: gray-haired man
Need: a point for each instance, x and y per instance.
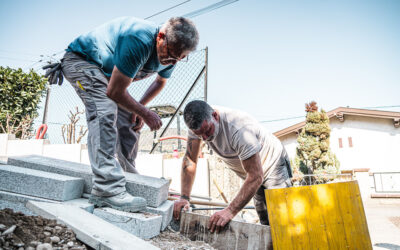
(253, 153)
(100, 65)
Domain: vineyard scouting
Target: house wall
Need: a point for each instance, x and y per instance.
(376, 143)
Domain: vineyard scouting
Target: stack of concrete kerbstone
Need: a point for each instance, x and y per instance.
(40, 178)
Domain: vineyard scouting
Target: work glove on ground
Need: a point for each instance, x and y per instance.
(54, 73)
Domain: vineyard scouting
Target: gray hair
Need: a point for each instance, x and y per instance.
(196, 112)
(181, 34)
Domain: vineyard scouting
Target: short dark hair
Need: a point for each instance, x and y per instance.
(196, 112)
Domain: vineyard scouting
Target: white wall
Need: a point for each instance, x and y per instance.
(376, 143)
(290, 144)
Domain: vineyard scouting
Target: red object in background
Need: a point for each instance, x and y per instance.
(41, 131)
(175, 154)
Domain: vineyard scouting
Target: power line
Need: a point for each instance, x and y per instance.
(170, 8)
(209, 8)
(49, 58)
(382, 107)
(283, 119)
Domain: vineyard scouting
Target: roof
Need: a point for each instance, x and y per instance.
(340, 112)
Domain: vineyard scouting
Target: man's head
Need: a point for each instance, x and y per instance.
(176, 39)
(201, 119)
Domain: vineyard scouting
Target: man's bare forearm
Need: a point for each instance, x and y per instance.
(188, 174)
(154, 89)
(189, 165)
(128, 102)
(246, 192)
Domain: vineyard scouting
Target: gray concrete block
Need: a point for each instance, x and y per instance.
(40, 184)
(56, 166)
(154, 190)
(165, 210)
(17, 202)
(81, 203)
(90, 229)
(235, 235)
(143, 225)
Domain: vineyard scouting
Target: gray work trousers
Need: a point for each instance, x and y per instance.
(112, 143)
(259, 198)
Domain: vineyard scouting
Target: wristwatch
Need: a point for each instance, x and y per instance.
(185, 197)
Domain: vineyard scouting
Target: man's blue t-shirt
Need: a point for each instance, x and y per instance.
(128, 43)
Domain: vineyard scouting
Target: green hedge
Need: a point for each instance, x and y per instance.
(20, 94)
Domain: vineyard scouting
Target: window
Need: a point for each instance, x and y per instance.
(350, 142)
(340, 143)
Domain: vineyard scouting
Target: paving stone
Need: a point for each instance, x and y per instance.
(17, 202)
(82, 203)
(165, 210)
(40, 184)
(154, 190)
(143, 225)
(235, 235)
(90, 229)
(52, 165)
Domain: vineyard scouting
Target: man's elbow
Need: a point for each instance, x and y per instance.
(112, 94)
(258, 178)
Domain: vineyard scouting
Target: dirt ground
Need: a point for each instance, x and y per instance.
(23, 232)
(19, 231)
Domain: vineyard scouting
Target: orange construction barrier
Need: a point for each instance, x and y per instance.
(41, 131)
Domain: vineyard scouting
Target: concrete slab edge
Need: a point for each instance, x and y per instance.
(89, 228)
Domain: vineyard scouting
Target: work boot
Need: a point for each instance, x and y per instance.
(123, 201)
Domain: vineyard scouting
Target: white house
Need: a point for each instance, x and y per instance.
(363, 141)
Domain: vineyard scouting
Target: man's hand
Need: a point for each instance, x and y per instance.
(219, 219)
(178, 204)
(152, 120)
(138, 121)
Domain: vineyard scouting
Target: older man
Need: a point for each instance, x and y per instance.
(253, 153)
(100, 65)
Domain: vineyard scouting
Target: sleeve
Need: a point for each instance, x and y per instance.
(130, 55)
(246, 143)
(167, 72)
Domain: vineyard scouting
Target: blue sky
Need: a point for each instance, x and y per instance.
(267, 58)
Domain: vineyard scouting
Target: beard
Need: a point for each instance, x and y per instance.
(216, 130)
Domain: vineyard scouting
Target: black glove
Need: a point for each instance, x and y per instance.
(54, 73)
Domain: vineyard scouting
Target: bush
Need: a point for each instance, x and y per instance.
(313, 154)
(20, 94)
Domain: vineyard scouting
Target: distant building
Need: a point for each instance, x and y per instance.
(360, 138)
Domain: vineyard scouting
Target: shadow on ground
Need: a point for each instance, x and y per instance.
(388, 246)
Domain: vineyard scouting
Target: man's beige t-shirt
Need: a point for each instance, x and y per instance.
(240, 136)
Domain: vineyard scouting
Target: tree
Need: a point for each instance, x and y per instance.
(313, 154)
(69, 130)
(20, 94)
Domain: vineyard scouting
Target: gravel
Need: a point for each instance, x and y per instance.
(19, 231)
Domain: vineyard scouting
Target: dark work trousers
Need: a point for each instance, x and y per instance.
(259, 198)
